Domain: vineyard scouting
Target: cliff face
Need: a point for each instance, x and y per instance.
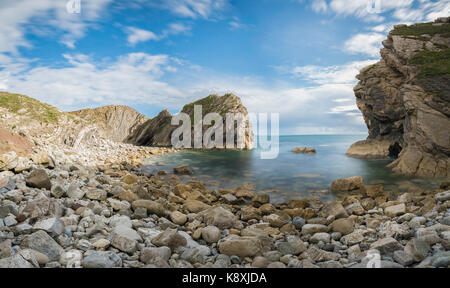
(116, 122)
(158, 131)
(405, 99)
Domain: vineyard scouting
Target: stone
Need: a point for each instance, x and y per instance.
(71, 258)
(58, 191)
(298, 222)
(101, 243)
(249, 212)
(334, 209)
(219, 217)
(241, 246)
(53, 226)
(96, 194)
(277, 220)
(102, 259)
(386, 246)
(75, 192)
(402, 258)
(178, 218)
(396, 210)
(443, 196)
(195, 206)
(194, 255)
(343, 226)
(320, 237)
(260, 262)
(276, 265)
(170, 238)
(418, 249)
(16, 261)
(314, 228)
(148, 254)
(374, 191)
(291, 248)
(42, 242)
(348, 184)
(319, 255)
(10, 221)
(38, 178)
(183, 170)
(353, 238)
(129, 179)
(355, 209)
(151, 206)
(261, 199)
(125, 238)
(211, 234)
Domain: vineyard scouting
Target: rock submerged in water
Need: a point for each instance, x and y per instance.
(348, 184)
(304, 150)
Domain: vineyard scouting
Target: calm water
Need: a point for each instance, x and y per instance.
(290, 175)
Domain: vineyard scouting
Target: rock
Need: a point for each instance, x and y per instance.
(396, 210)
(276, 220)
(334, 209)
(304, 150)
(353, 238)
(418, 249)
(443, 196)
(58, 191)
(125, 238)
(96, 194)
(319, 255)
(347, 184)
(211, 234)
(241, 246)
(149, 254)
(102, 259)
(101, 243)
(291, 248)
(151, 206)
(194, 255)
(355, 209)
(276, 265)
(53, 226)
(261, 199)
(314, 228)
(38, 178)
(10, 221)
(248, 213)
(129, 179)
(219, 217)
(260, 262)
(178, 218)
(386, 246)
(42, 242)
(74, 192)
(320, 237)
(71, 258)
(16, 261)
(374, 191)
(195, 206)
(183, 170)
(170, 238)
(298, 222)
(402, 258)
(441, 260)
(343, 226)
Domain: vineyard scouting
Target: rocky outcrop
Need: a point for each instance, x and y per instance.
(405, 99)
(116, 122)
(158, 131)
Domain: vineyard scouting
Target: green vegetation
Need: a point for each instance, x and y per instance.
(422, 29)
(23, 105)
(432, 63)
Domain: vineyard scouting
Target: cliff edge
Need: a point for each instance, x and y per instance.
(405, 99)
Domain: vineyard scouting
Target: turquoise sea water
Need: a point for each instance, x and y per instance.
(290, 175)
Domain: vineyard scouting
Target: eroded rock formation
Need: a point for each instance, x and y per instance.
(405, 99)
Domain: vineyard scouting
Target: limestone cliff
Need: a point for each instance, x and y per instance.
(405, 99)
(116, 122)
(158, 131)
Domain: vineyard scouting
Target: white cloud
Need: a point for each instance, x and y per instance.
(367, 44)
(136, 35)
(192, 8)
(343, 74)
(319, 5)
(19, 16)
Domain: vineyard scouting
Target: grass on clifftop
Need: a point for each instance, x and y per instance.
(432, 63)
(422, 29)
(24, 105)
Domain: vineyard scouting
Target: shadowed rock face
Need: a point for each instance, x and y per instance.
(158, 131)
(405, 98)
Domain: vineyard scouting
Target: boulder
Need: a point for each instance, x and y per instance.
(348, 184)
(38, 178)
(241, 246)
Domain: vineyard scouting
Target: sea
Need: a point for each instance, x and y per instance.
(290, 175)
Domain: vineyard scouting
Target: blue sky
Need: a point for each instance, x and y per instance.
(298, 58)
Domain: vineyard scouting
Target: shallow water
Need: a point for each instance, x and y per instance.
(291, 175)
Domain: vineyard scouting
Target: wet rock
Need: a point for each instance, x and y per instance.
(348, 184)
(334, 209)
(183, 170)
(261, 199)
(38, 178)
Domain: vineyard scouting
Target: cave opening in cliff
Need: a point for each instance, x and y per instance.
(394, 150)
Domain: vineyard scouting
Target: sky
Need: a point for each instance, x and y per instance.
(298, 58)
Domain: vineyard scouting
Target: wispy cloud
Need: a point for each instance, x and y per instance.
(366, 44)
(137, 35)
(191, 8)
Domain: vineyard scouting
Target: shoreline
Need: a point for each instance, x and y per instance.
(112, 215)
